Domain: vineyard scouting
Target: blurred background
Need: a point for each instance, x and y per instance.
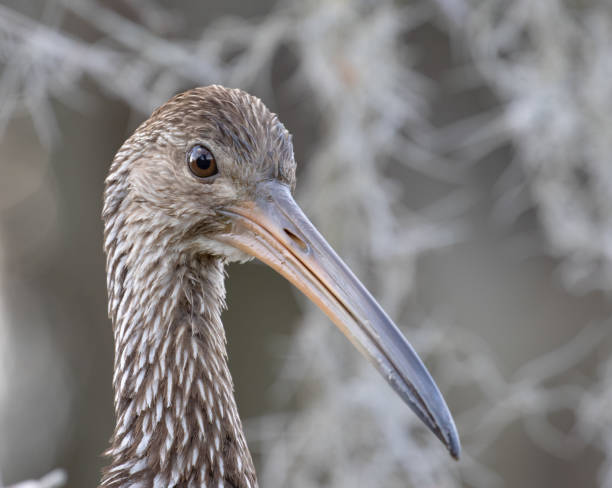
(455, 152)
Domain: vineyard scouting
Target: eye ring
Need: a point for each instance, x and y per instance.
(201, 162)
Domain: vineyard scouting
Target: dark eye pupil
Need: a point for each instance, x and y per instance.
(204, 161)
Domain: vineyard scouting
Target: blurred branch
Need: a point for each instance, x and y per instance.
(55, 479)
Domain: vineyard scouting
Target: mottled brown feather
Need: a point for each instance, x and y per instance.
(177, 420)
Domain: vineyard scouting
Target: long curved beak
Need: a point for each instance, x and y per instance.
(274, 229)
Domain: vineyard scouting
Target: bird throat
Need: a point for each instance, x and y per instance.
(177, 423)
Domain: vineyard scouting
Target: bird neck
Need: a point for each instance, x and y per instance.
(177, 423)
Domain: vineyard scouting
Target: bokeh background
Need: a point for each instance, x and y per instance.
(457, 154)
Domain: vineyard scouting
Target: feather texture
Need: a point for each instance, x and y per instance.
(177, 424)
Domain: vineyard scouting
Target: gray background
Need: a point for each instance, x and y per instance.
(516, 270)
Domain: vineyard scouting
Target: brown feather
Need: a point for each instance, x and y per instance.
(177, 420)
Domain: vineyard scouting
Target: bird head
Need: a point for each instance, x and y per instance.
(214, 170)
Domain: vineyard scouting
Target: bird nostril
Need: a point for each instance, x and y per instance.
(296, 240)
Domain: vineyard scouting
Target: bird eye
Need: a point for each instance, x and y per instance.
(202, 162)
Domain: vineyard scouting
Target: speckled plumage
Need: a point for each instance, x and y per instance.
(177, 424)
(169, 229)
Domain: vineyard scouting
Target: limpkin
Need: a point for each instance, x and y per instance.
(206, 180)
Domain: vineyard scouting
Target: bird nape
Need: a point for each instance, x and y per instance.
(208, 179)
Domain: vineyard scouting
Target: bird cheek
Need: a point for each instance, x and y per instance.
(221, 192)
(151, 176)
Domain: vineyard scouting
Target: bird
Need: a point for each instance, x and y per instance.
(209, 179)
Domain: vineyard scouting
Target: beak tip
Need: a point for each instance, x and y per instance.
(443, 426)
(451, 439)
(454, 448)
